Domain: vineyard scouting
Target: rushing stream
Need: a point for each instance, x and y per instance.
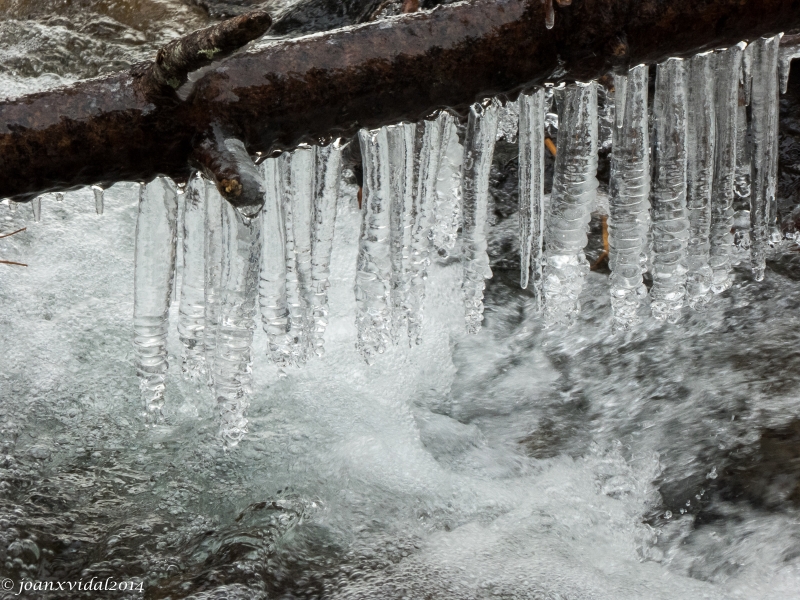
(572, 450)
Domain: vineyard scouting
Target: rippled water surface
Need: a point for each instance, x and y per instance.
(521, 463)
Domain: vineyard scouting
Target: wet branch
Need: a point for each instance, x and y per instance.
(133, 125)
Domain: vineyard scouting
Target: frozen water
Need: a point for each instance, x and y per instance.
(241, 260)
(192, 310)
(448, 187)
(726, 102)
(572, 199)
(670, 221)
(374, 271)
(213, 272)
(98, 199)
(629, 192)
(531, 189)
(763, 55)
(327, 172)
(272, 288)
(156, 237)
(478, 153)
(700, 142)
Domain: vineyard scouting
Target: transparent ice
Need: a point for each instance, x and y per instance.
(156, 238)
(241, 261)
(478, 154)
(192, 310)
(572, 199)
(374, 270)
(444, 230)
(763, 55)
(700, 141)
(668, 198)
(531, 189)
(726, 101)
(629, 192)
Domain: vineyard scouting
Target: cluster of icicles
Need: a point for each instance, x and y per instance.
(708, 138)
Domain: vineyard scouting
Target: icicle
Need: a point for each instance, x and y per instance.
(742, 188)
(550, 15)
(448, 188)
(747, 73)
(98, 199)
(573, 196)
(507, 119)
(374, 268)
(297, 189)
(12, 206)
(272, 288)
(606, 115)
(764, 155)
(326, 196)
(154, 270)
(192, 312)
(787, 54)
(401, 139)
(531, 189)
(729, 64)
(213, 269)
(478, 154)
(36, 205)
(670, 221)
(629, 201)
(241, 259)
(431, 156)
(700, 149)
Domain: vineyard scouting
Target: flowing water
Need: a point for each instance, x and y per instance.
(529, 460)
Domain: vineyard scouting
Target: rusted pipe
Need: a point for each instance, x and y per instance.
(311, 88)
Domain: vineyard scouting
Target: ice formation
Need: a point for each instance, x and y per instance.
(447, 206)
(272, 288)
(401, 141)
(531, 189)
(670, 221)
(763, 60)
(478, 153)
(700, 143)
(327, 170)
(213, 272)
(241, 259)
(572, 199)
(192, 309)
(374, 269)
(156, 237)
(726, 102)
(36, 207)
(629, 192)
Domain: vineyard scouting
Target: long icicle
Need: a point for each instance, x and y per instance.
(531, 189)
(213, 272)
(629, 201)
(297, 189)
(328, 168)
(435, 137)
(154, 271)
(729, 64)
(764, 152)
(402, 153)
(192, 311)
(241, 259)
(272, 287)
(478, 154)
(700, 142)
(670, 221)
(572, 199)
(374, 268)
(448, 202)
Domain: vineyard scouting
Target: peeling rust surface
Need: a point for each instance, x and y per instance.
(309, 88)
